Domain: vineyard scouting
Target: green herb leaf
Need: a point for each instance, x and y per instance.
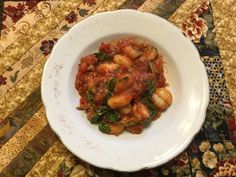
(107, 97)
(103, 110)
(113, 116)
(146, 99)
(151, 86)
(103, 127)
(147, 122)
(100, 113)
(96, 119)
(101, 56)
(90, 99)
(152, 108)
(111, 84)
(110, 88)
(153, 111)
(147, 95)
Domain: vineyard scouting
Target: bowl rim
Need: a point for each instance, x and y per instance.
(204, 104)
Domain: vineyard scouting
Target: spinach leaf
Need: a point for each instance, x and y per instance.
(111, 84)
(153, 111)
(95, 119)
(113, 116)
(101, 56)
(146, 99)
(147, 95)
(90, 99)
(151, 86)
(103, 127)
(147, 122)
(103, 110)
(106, 113)
(110, 88)
(100, 113)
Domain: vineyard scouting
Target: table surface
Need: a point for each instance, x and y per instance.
(30, 29)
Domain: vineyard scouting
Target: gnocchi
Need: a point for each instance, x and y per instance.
(122, 60)
(123, 83)
(162, 98)
(119, 101)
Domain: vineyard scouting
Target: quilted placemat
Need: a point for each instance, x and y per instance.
(30, 29)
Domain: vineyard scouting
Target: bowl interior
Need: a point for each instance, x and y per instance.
(171, 72)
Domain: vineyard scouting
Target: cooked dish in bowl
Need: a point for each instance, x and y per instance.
(122, 86)
(185, 74)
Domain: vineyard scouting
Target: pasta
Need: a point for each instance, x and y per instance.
(122, 86)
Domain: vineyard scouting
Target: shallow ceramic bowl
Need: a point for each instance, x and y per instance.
(166, 137)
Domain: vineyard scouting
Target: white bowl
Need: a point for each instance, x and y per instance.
(166, 137)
